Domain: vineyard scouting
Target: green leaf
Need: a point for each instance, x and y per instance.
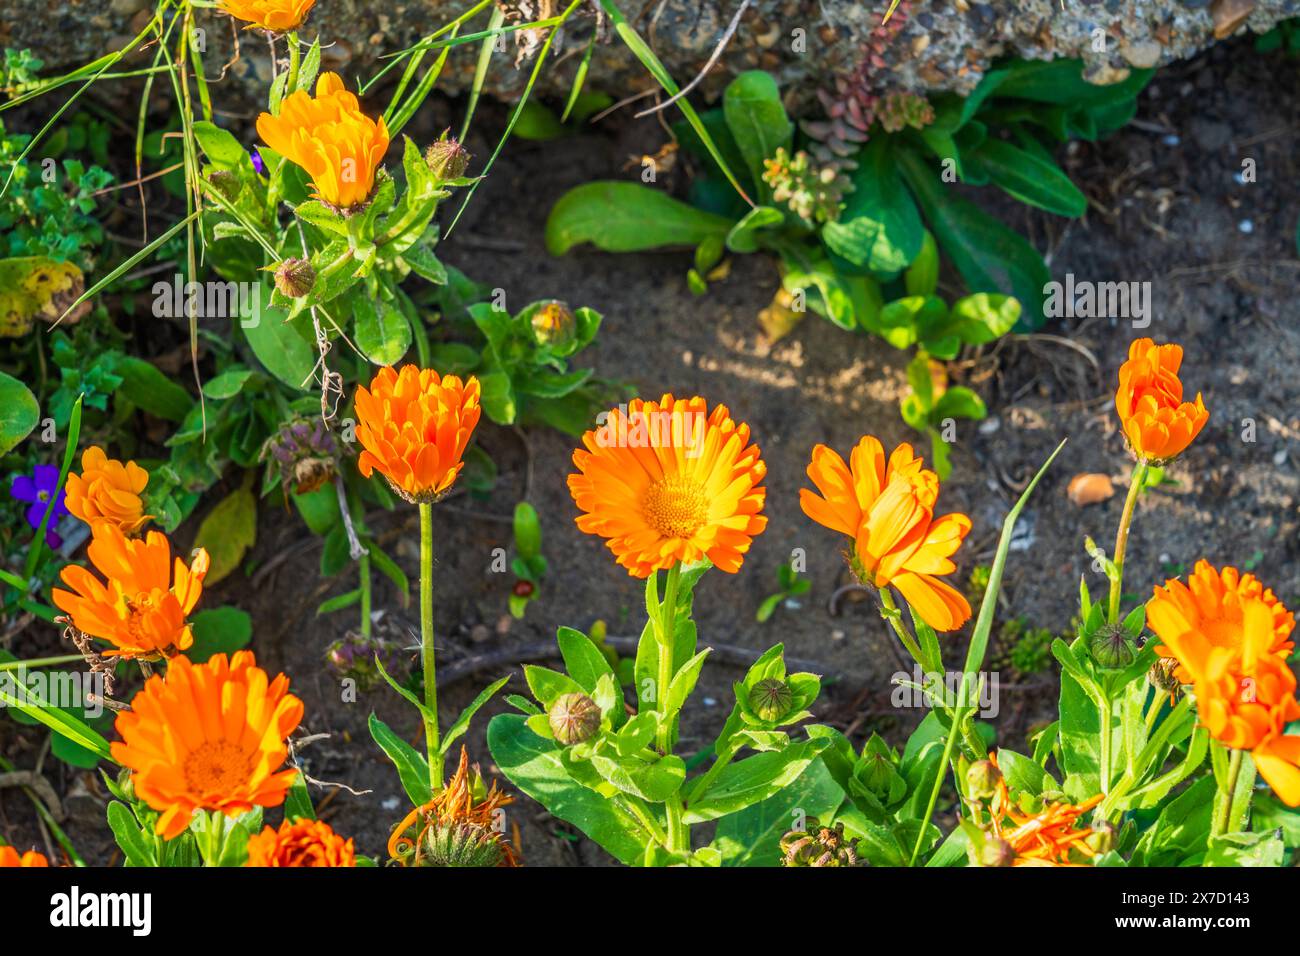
(136, 845)
(989, 256)
(746, 235)
(1029, 178)
(297, 802)
(149, 389)
(880, 228)
(462, 722)
(412, 768)
(281, 346)
(19, 412)
(548, 685)
(382, 333)
(583, 660)
(756, 117)
(528, 531)
(752, 836)
(654, 781)
(922, 276)
(58, 720)
(746, 782)
(228, 384)
(219, 630)
(228, 531)
(219, 145)
(959, 402)
(533, 765)
(627, 217)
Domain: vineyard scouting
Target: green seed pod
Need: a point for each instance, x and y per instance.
(982, 779)
(447, 158)
(574, 718)
(770, 699)
(462, 844)
(1112, 647)
(817, 846)
(295, 277)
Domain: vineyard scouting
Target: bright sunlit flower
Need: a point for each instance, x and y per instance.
(669, 481)
(415, 426)
(1157, 423)
(887, 508)
(300, 843)
(1050, 837)
(208, 737)
(142, 606)
(1208, 612)
(11, 858)
(108, 490)
(1231, 645)
(458, 827)
(278, 16)
(339, 146)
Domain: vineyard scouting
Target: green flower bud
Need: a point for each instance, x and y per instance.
(817, 846)
(294, 277)
(1112, 647)
(993, 852)
(982, 779)
(447, 159)
(1102, 839)
(770, 699)
(554, 324)
(574, 718)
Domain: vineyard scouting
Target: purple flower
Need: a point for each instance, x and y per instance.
(258, 164)
(36, 490)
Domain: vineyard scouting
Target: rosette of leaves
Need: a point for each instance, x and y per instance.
(523, 366)
(1000, 135)
(618, 781)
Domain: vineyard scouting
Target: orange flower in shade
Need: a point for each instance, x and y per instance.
(1050, 837)
(466, 802)
(887, 508)
(108, 490)
(11, 858)
(1234, 655)
(300, 843)
(1157, 422)
(414, 427)
(141, 608)
(669, 481)
(339, 146)
(278, 16)
(208, 737)
(1210, 609)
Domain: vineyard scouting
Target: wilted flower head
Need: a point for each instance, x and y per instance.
(819, 846)
(354, 655)
(36, 490)
(306, 453)
(460, 826)
(1050, 837)
(1157, 423)
(329, 136)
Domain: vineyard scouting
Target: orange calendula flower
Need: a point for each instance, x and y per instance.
(278, 16)
(669, 481)
(1050, 837)
(141, 608)
(11, 858)
(339, 146)
(1208, 611)
(300, 843)
(1234, 656)
(415, 427)
(208, 737)
(1157, 423)
(108, 490)
(887, 508)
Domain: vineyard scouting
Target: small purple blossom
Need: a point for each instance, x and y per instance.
(36, 490)
(258, 164)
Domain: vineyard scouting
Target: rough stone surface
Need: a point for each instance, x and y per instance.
(945, 45)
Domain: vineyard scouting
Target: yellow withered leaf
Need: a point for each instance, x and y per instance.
(34, 287)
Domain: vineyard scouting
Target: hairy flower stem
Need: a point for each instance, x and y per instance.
(1228, 795)
(363, 572)
(431, 740)
(1103, 713)
(1136, 480)
(958, 718)
(294, 55)
(667, 633)
(894, 616)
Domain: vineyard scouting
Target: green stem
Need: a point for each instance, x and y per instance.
(1223, 822)
(216, 838)
(957, 718)
(1136, 480)
(678, 839)
(1103, 712)
(702, 785)
(363, 570)
(667, 627)
(431, 738)
(41, 662)
(894, 616)
(294, 55)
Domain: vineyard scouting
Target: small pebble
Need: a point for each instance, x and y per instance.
(710, 702)
(1171, 140)
(1246, 226)
(990, 425)
(392, 803)
(1280, 457)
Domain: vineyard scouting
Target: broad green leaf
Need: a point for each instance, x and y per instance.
(282, 346)
(136, 845)
(19, 412)
(752, 779)
(462, 722)
(752, 836)
(627, 217)
(756, 118)
(382, 333)
(227, 533)
(582, 659)
(219, 630)
(880, 228)
(1029, 178)
(412, 767)
(149, 389)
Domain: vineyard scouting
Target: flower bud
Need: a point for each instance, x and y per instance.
(770, 699)
(295, 277)
(574, 718)
(554, 325)
(982, 779)
(447, 159)
(1112, 647)
(1102, 839)
(994, 851)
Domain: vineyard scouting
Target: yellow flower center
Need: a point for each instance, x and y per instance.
(676, 507)
(217, 766)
